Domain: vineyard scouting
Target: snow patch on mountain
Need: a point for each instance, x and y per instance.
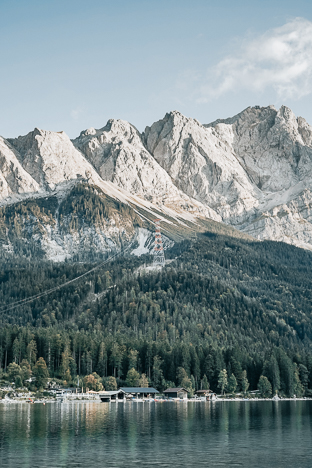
(144, 241)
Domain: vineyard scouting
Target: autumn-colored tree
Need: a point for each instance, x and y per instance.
(143, 382)
(93, 382)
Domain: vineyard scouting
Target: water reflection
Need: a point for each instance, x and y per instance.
(251, 434)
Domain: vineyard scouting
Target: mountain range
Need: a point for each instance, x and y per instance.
(249, 176)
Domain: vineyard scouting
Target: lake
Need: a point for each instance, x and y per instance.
(207, 434)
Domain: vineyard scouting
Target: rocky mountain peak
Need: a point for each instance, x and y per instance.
(251, 171)
(305, 131)
(50, 158)
(117, 152)
(13, 178)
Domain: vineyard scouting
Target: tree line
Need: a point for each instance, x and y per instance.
(70, 355)
(226, 313)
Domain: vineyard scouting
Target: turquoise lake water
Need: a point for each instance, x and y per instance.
(232, 434)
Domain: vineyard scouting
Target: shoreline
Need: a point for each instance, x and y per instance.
(97, 400)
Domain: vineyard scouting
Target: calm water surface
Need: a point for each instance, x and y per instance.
(231, 434)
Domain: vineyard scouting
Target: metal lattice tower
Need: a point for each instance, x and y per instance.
(159, 257)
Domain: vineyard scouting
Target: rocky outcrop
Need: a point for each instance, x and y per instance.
(246, 167)
(118, 154)
(203, 165)
(251, 171)
(13, 178)
(274, 147)
(50, 158)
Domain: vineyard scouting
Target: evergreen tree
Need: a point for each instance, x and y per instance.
(13, 371)
(204, 383)
(222, 380)
(133, 378)
(41, 373)
(232, 384)
(304, 377)
(264, 387)
(158, 376)
(272, 372)
(32, 352)
(244, 382)
(133, 358)
(102, 360)
(298, 387)
(110, 383)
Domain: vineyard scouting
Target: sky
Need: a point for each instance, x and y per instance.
(70, 65)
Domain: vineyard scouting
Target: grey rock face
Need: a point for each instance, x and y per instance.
(50, 158)
(251, 171)
(13, 177)
(203, 165)
(118, 154)
(241, 167)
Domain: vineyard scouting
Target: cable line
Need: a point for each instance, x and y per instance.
(13, 305)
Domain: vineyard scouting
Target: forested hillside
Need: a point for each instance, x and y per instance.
(221, 303)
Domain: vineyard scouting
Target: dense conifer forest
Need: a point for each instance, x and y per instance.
(227, 313)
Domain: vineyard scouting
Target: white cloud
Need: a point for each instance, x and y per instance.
(280, 59)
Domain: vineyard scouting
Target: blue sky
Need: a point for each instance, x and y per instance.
(69, 65)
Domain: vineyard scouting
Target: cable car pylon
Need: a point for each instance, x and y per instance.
(158, 252)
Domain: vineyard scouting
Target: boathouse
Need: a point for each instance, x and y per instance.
(112, 396)
(140, 392)
(176, 393)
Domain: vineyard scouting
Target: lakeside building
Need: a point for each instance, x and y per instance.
(176, 393)
(140, 392)
(207, 394)
(112, 395)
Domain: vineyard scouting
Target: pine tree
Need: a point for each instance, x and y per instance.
(41, 373)
(232, 384)
(264, 387)
(244, 382)
(204, 383)
(222, 380)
